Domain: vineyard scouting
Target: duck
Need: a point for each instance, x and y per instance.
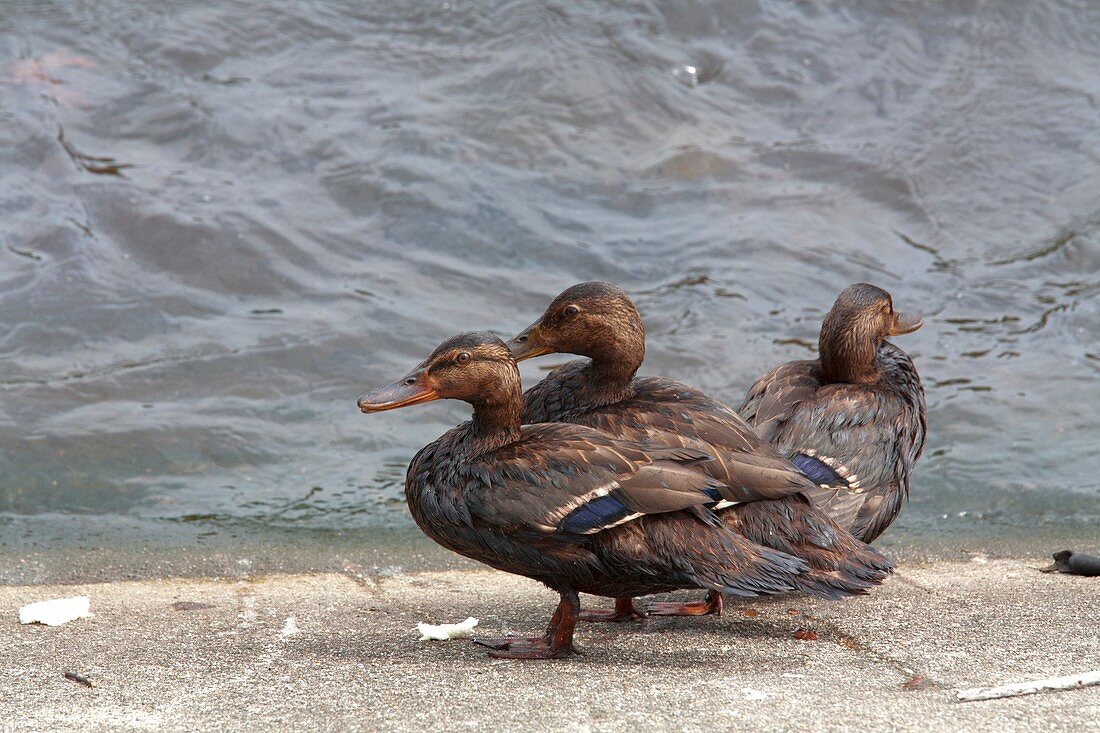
(598, 321)
(854, 419)
(567, 505)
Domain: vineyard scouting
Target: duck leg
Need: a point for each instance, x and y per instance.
(625, 610)
(712, 605)
(557, 643)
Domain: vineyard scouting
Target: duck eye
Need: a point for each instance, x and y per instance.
(572, 310)
(463, 357)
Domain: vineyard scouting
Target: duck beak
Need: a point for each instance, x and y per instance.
(411, 389)
(905, 323)
(529, 343)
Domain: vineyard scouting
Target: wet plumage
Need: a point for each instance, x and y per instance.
(537, 507)
(599, 321)
(567, 505)
(854, 419)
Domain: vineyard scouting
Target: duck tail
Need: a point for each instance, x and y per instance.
(724, 561)
(839, 564)
(773, 572)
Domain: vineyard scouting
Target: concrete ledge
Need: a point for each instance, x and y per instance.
(356, 664)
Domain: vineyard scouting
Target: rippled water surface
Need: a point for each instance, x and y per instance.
(219, 223)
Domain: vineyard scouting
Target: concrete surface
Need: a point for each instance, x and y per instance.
(212, 655)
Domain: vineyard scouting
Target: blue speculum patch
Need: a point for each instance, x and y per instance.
(816, 470)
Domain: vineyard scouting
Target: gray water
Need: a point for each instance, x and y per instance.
(220, 222)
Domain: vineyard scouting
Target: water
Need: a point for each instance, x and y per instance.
(218, 225)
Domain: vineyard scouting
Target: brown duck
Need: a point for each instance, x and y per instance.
(567, 505)
(598, 320)
(853, 420)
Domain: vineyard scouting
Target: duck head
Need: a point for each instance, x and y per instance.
(593, 319)
(852, 332)
(474, 367)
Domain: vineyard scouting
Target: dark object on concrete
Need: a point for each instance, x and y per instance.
(79, 679)
(1073, 563)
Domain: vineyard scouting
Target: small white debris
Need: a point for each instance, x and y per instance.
(290, 628)
(751, 694)
(56, 612)
(980, 559)
(443, 632)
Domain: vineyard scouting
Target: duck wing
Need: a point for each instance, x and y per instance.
(849, 439)
(572, 480)
(667, 412)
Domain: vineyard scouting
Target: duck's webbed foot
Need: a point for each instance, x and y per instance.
(504, 642)
(556, 643)
(536, 648)
(625, 610)
(712, 605)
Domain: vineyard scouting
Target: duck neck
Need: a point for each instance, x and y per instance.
(496, 420)
(847, 355)
(611, 371)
